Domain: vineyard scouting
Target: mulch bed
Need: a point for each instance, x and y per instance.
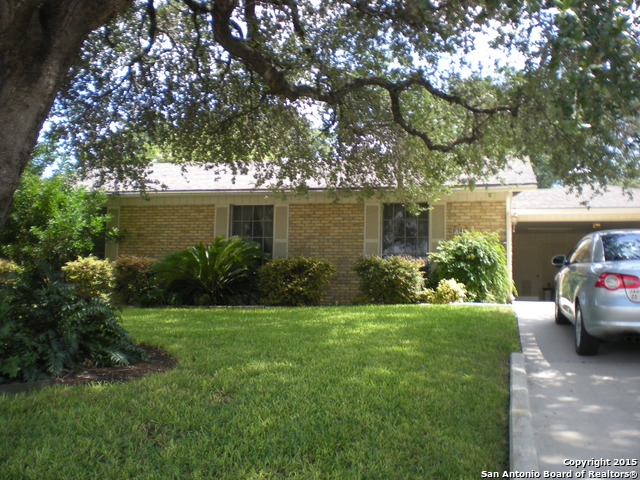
(159, 361)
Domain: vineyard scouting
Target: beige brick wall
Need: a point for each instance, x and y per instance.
(331, 231)
(481, 216)
(334, 232)
(154, 231)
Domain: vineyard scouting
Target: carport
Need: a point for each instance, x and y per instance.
(549, 221)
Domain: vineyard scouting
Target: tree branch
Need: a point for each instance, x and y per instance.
(198, 7)
(417, 80)
(275, 79)
(295, 17)
(278, 84)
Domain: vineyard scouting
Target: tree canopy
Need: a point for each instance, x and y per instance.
(356, 93)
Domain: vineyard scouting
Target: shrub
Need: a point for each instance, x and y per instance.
(9, 272)
(134, 280)
(295, 281)
(210, 274)
(477, 260)
(46, 327)
(93, 277)
(52, 219)
(447, 291)
(390, 280)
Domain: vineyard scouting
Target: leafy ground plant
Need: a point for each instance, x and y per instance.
(45, 327)
(210, 274)
(378, 392)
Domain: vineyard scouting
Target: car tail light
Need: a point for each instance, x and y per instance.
(614, 281)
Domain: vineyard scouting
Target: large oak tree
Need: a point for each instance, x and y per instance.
(353, 93)
(39, 41)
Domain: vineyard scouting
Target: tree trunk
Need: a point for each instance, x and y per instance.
(39, 40)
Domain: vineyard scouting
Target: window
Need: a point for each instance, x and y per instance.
(254, 223)
(403, 233)
(621, 246)
(582, 253)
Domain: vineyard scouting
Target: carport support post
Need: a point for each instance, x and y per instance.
(509, 228)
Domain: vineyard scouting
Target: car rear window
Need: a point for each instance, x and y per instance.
(621, 246)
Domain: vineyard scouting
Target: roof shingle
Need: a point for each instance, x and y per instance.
(562, 198)
(175, 178)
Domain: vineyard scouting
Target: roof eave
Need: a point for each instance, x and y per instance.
(561, 214)
(493, 187)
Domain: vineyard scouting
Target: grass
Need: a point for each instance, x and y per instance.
(316, 393)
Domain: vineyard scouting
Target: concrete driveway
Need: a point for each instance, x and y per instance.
(585, 410)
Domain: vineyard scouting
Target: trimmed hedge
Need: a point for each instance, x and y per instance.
(294, 281)
(134, 280)
(390, 280)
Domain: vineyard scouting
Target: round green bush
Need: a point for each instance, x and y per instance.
(93, 277)
(294, 281)
(479, 261)
(390, 280)
(447, 291)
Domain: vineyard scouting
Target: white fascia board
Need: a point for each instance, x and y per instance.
(574, 214)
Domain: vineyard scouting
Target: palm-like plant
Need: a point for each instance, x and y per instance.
(209, 274)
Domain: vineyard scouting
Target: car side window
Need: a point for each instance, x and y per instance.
(598, 250)
(621, 246)
(582, 253)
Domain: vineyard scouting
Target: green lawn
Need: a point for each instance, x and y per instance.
(338, 392)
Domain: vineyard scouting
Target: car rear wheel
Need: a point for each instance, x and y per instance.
(585, 343)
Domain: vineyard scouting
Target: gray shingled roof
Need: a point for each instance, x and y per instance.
(561, 198)
(174, 178)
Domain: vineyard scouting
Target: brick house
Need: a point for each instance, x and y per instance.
(196, 204)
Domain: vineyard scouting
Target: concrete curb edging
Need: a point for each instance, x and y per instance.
(523, 456)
